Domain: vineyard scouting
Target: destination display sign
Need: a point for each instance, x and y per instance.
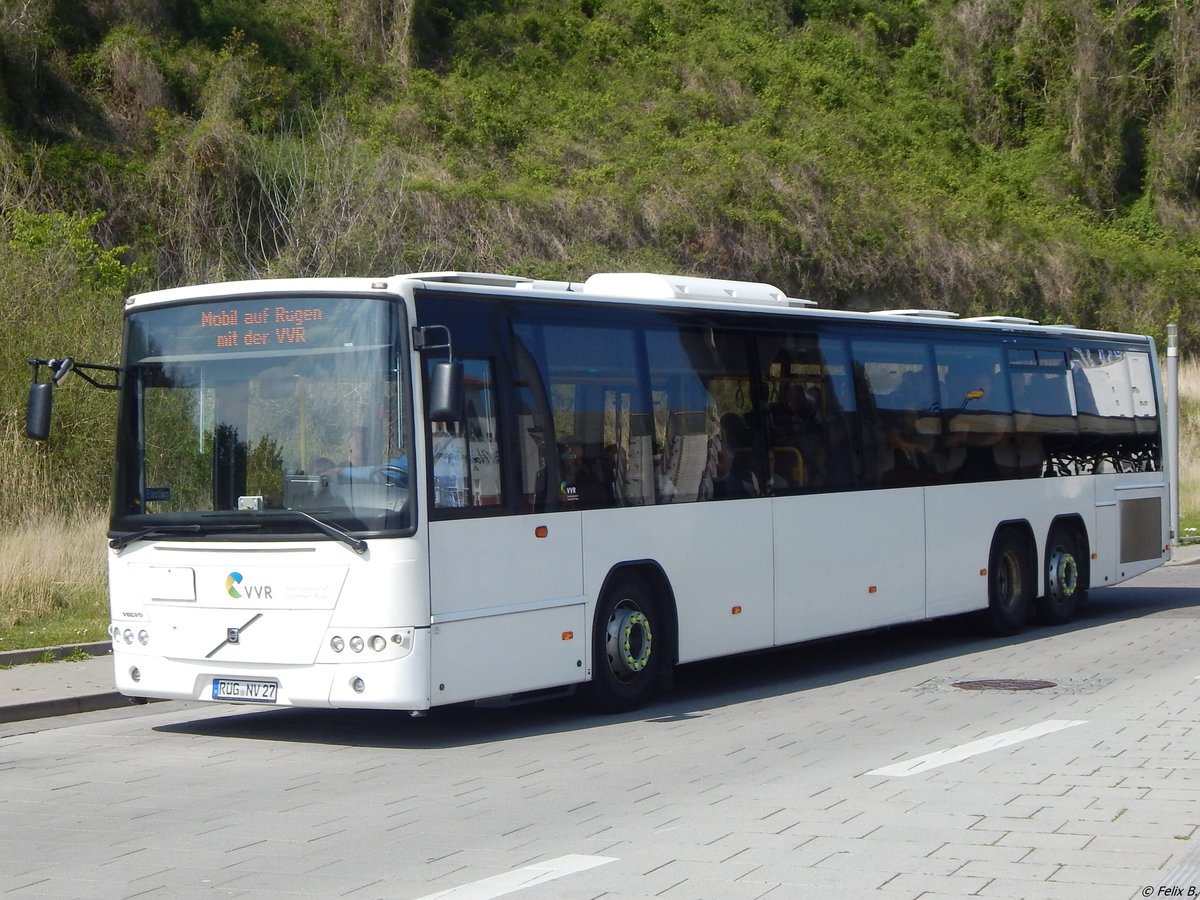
(274, 325)
(258, 325)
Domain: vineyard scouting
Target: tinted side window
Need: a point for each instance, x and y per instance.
(1103, 391)
(977, 416)
(899, 413)
(810, 404)
(595, 454)
(465, 459)
(687, 416)
(1141, 382)
(1041, 391)
(1043, 408)
(1118, 425)
(707, 424)
(464, 456)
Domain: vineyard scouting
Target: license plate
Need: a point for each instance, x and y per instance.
(244, 691)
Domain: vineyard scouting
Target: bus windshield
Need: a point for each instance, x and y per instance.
(261, 414)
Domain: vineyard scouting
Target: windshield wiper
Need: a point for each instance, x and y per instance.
(356, 544)
(122, 541)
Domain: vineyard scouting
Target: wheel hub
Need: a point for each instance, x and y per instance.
(628, 641)
(1064, 574)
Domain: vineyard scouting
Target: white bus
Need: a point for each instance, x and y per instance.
(451, 487)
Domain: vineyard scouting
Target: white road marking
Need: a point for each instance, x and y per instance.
(519, 879)
(974, 748)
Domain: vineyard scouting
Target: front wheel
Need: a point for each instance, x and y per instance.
(626, 652)
(1009, 584)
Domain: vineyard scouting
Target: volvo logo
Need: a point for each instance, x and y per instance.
(232, 636)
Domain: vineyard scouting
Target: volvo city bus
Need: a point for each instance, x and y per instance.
(453, 487)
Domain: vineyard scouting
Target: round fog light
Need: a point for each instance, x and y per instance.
(358, 684)
(135, 673)
(356, 644)
(337, 644)
(378, 644)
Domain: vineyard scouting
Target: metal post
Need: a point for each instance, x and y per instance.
(1173, 428)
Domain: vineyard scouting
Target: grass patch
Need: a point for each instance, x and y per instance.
(1189, 451)
(1189, 527)
(53, 582)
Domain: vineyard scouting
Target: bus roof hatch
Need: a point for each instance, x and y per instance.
(651, 286)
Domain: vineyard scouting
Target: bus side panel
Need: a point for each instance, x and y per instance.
(508, 611)
(1108, 531)
(1134, 507)
(962, 520)
(483, 563)
(960, 523)
(508, 654)
(848, 562)
(717, 557)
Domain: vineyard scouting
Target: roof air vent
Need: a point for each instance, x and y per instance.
(650, 286)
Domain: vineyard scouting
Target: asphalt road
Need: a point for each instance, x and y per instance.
(854, 767)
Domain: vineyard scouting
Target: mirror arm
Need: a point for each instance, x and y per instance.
(446, 380)
(61, 368)
(41, 393)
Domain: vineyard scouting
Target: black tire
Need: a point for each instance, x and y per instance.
(627, 648)
(1066, 579)
(1010, 583)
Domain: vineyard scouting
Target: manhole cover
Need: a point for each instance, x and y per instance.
(1004, 684)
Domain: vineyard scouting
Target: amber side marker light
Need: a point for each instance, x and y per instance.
(541, 531)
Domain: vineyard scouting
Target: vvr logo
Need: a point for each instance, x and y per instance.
(234, 580)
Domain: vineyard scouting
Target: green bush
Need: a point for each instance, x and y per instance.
(63, 294)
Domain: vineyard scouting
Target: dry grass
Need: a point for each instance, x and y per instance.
(1189, 441)
(53, 581)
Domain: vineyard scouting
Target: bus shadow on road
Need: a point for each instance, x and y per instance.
(700, 689)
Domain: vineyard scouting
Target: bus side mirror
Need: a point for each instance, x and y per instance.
(446, 392)
(37, 411)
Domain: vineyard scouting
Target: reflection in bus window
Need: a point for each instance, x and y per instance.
(1043, 407)
(1114, 396)
(686, 423)
(977, 412)
(902, 433)
(810, 395)
(1141, 384)
(600, 454)
(465, 455)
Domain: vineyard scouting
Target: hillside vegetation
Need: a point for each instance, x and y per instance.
(1030, 157)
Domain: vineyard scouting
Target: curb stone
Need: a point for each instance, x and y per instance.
(64, 706)
(38, 654)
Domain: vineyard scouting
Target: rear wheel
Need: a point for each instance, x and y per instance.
(1009, 583)
(625, 655)
(1066, 579)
